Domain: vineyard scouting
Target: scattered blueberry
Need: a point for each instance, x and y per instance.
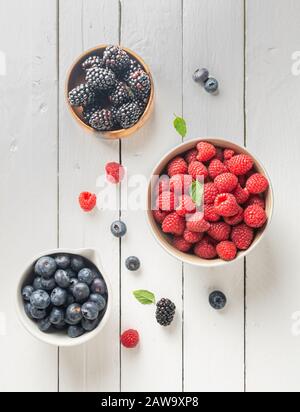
(118, 229)
(44, 325)
(201, 75)
(62, 278)
(133, 263)
(45, 267)
(99, 300)
(90, 311)
(75, 331)
(56, 316)
(27, 291)
(77, 263)
(37, 283)
(81, 292)
(63, 261)
(217, 300)
(86, 276)
(48, 284)
(99, 286)
(89, 325)
(40, 299)
(37, 314)
(59, 297)
(211, 85)
(73, 313)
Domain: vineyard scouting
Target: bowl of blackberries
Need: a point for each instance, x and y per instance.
(63, 297)
(110, 91)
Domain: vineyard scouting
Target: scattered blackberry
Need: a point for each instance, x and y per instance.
(116, 59)
(132, 68)
(93, 61)
(81, 95)
(121, 95)
(102, 120)
(140, 83)
(128, 115)
(165, 311)
(100, 79)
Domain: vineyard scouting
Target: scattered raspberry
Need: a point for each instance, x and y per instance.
(210, 193)
(181, 244)
(226, 205)
(206, 151)
(228, 154)
(166, 202)
(219, 231)
(180, 184)
(87, 201)
(216, 168)
(205, 249)
(226, 182)
(210, 214)
(197, 223)
(236, 219)
(256, 200)
(159, 216)
(242, 236)
(174, 224)
(185, 205)
(255, 216)
(130, 338)
(226, 251)
(192, 237)
(177, 166)
(241, 195)
(191, 156)
(240, 164)
(114, 172)
(198, 170)
(257, 184)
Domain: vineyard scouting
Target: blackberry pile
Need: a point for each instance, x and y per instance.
(115, 93)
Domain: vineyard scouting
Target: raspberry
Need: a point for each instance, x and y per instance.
(185, 205)
(205, 249)
(130, 339)
(240, 164)
(228, 154)
(255, 216)
(191, 156)
(206, 151)
(159, 216)
(180, 184)
(163, 185)
(257, 184)
(242, 236)
(210, 214)
(177, 166)
(174, 224)
(226, 205)
(196, 223)
(181, 244)
(226, 182)
(236, 219)
(227, 251)
(216, 168)
(219, 155)
(192, 237)
(242, 180)
(87, 201)
(210, 193)
(219, 231)
(114, 172)
(241, 195)
(256, 200)
(166, 201)
(198, 170)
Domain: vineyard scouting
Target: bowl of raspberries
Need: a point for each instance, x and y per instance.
(63, 297)
(209, 202)
(110, 90)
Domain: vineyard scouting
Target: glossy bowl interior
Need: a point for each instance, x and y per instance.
(164, 240)
(60, 338)
(76, 77)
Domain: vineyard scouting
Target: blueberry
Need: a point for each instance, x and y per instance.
(90, 311)
(38, 313)
(99, 300)
(81, 292)
(40, 299)
(118, 229)
(28, 308)
(133, 263)
(71, 273)
(89, 325)
(99, 286)
(48, 284)
(73, 313)
(59, 297)
(201, 75)
(75, 331)
(37, 283)
(63, 261)
(77, 263)
(45, 267)
(70, 300)
(56, 316)
(73, 283)
(44, 325)
(211, 85)
(61, 326)
(217, 300)
(27, 292)
(86, 276)
(62, 278)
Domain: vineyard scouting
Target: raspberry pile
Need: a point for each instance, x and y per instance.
(115, 93)
(232, 205)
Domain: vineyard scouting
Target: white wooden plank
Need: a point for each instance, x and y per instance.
(85, 24)
(214, 342)
(153, 29)
(28, 171)
(273, 352)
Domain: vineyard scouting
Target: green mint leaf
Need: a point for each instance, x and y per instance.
(144, 296)
(197, 193)
(180, 126)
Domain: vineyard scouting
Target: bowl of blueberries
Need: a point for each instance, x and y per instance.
(64, 298)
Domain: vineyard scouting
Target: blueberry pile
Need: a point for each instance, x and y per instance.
(115, 93)
(68, 293)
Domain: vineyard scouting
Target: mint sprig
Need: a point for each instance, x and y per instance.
(144, 297)
(180, 126)
(197, 192)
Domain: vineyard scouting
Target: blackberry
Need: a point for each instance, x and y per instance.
(132, 68)
(165, 311)
(82, 95)
(92, 61)
(116, 59)
(102, 120)
(128, 115)
(140, 83)
(121, 95)
(100, 79)
(89, 110)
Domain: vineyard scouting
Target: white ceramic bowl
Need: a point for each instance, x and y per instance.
(164, 240)
(61, 338)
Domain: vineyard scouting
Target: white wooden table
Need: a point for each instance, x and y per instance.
(46, 160)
